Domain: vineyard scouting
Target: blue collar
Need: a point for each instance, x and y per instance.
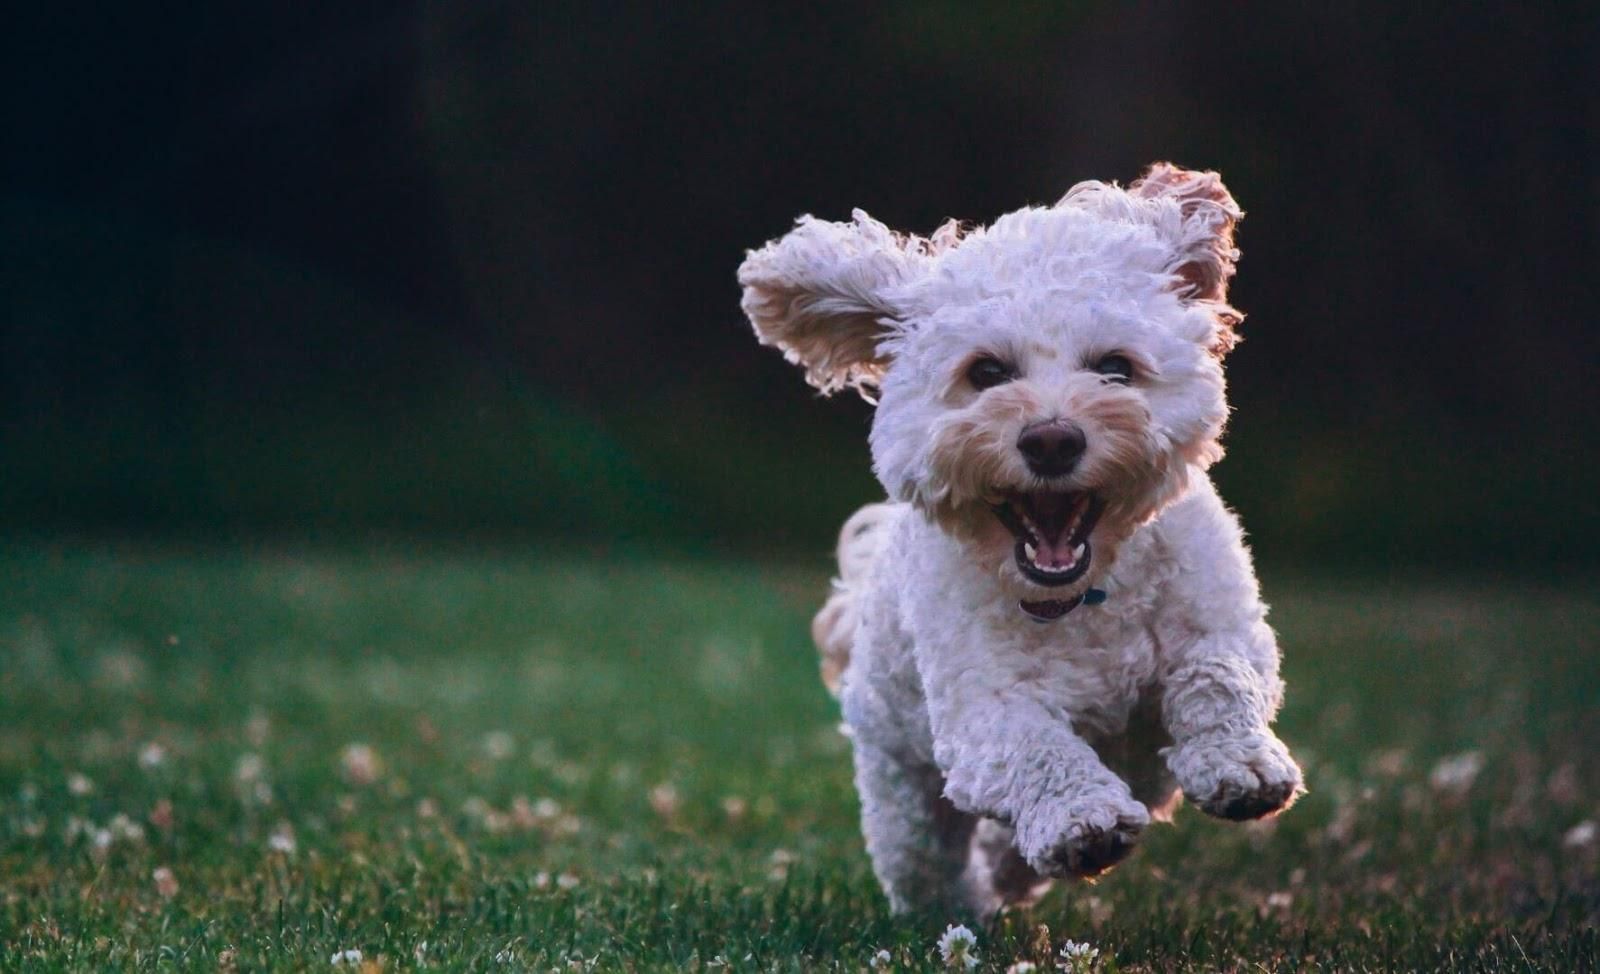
(1049, 610)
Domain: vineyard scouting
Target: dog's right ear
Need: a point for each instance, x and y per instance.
(825, 295)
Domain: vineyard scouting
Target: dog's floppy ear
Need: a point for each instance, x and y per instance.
(824, 295)
(1206, 255)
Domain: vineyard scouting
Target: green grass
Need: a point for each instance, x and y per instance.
(630, 765)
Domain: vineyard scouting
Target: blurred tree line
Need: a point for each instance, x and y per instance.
(466, 268)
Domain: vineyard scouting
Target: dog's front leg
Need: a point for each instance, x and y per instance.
(1221, 691)
(917, 839)
(1007, 753)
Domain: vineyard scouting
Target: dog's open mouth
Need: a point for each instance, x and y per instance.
(1052, 531)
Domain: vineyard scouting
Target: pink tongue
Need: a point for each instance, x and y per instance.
(1056, 554)
(1053, 512)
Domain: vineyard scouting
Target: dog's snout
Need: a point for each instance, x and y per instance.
(1052, 448)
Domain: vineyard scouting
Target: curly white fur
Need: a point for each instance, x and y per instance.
(992, 751)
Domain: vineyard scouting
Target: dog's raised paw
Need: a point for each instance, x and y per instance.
(1239, 805)
(1094, 851)
(1090, 844)
(1238, 778)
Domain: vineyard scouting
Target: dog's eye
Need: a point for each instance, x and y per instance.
(1117, 368)
(988, 372)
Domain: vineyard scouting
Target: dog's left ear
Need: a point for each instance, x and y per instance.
(1205, 257)
(825, 294)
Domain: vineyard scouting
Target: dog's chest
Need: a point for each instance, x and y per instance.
(1097, 664)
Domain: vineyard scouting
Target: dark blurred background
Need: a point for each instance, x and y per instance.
(465, 269)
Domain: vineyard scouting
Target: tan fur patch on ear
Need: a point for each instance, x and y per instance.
(822, 294)
(1207, 255)
(837, 347)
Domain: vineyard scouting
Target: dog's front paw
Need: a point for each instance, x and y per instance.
(1085, 839)
(1237, 778)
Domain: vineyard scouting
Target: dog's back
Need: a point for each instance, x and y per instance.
(834, 627)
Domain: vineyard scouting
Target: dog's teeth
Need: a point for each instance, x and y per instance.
(1078, 551)
(1028, 549)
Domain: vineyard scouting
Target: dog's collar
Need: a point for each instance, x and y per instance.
(1050, 610)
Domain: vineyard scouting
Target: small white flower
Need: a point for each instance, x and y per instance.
(1581, 835)
(166, 882)
(249, 769)
(152, 756)
(1076, 957)
(881, 960)
(282, 839)
(125, 829)
(360, 764)
(499, 745)
(664, 799)
(1454, 775)
(79, 784)
(958, 947)
(345, 957)
(1022, 967)
(566, 881)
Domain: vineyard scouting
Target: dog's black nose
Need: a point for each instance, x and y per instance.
(1052, 448)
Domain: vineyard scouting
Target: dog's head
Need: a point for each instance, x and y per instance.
(1046, 384)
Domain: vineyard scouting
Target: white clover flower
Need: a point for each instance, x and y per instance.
(1454, 775)
(166, 882)
(341, 957)
(79, 784)
(249, 769)
(664, 799)
(1076, 957)
(1581, 835)
(152, 756)
(125, 829)
(881, 960)
(282, 839)
(499, 745)
(360, 764)
(958, 948)
(1022, 967)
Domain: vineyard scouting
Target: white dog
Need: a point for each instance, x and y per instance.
(1054, 626)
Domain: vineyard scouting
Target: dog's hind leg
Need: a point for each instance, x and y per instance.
(997, 874)
(918, 841)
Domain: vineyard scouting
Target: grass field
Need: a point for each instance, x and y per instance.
(214, 759)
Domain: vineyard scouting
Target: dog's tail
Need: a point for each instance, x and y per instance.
(834, 628)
